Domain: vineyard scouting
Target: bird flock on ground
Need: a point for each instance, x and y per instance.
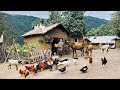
(55, 62)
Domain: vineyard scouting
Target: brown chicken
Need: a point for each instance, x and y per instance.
(33, 69)
(26, 74)
(22, 72)
(90, 60)
(29, 67)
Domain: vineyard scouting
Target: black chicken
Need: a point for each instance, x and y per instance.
(104, 61)
(38, 67)
(62, 69)
(84, 69)
(76, 58)
(63, 60)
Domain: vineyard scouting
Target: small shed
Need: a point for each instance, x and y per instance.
(117, 42)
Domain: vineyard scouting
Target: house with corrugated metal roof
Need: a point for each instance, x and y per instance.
(97, 41)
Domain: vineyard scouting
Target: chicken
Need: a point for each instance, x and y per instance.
(65, 63)
(63, 60)
(34, 70)
(26, 74)
(84, 69)
(75, 61)
(90, 60)
(104, 61)
(22, 72)
(38, 67)
(29, 67)
(62, 69)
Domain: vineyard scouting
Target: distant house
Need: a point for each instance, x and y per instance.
(117, 42)
(53, 33)
(103, 40)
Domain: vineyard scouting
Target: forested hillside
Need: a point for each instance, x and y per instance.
(16, 25)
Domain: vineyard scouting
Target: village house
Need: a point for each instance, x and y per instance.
(97, 41)
(44, 37)
(117, 42)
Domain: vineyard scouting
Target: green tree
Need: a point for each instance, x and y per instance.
(115, 23)
(103, 30)
(1, 23)
(74, 22)
(55, 17)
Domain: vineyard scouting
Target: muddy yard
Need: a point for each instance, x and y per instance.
(95, 71)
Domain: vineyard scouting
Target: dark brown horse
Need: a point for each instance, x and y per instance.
(77, 46)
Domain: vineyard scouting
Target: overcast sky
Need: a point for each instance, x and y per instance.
(44, 14)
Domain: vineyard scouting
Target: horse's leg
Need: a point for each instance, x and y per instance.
(90, 52)
(83, 51)
(107, 51)
(73, 52)
(76, 53)
(16, 67)
(8, 67)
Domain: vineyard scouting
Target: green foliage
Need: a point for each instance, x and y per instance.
(46, 37)
(115, 23)
(93, 22)
(32, 46)
(103, 30)
(17, 25)
(54, 17)
(40, 40)
(74, 22)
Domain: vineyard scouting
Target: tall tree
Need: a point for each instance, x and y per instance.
(74, 22)
(115, 23)
(1, 23)
(54, 17)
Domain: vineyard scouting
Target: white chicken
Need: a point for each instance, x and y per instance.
(75, 61)
(65, 63)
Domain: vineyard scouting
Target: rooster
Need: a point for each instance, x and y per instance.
(26, 74)
(34, 70)
(104, 61)
(29, 67)
(84, 69)
(62, 69)
(22, 72)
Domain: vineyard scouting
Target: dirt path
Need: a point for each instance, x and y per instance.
(95, 71)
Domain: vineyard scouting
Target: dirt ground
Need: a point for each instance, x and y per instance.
(95, 71)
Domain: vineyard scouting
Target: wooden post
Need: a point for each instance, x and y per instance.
(16, 49)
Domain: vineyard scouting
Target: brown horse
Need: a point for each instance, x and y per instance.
(77, 46)
(89, 49)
